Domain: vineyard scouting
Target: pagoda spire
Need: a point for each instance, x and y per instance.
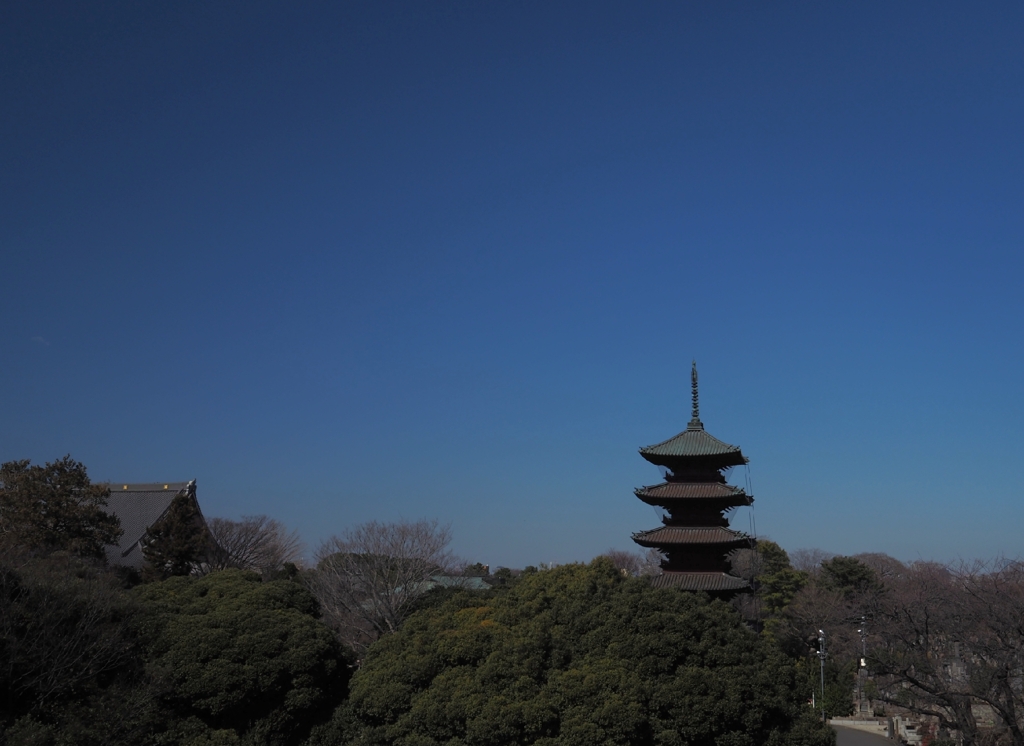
(695, 423)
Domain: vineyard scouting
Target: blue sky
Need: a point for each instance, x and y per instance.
(344, 262)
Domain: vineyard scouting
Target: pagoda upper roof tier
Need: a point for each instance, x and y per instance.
(668, 492)
(700, 581)
(694, 443)
(669, 536)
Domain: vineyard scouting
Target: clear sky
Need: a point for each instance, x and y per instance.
(342, 262)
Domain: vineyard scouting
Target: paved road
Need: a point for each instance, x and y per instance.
(854, 737)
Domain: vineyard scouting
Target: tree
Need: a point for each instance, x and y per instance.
(809, 560)
(256, 542)
(775, 580)
(886, 568)
(54, 508)
(245, 658)
(834, 599)
(178, 542)
(575, 655)
(367, 578)
(849, 576)
(950, 639)
(64, 635)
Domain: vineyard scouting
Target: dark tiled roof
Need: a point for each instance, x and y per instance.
(693, 491)
(699, 581)
(668, 535)
(137, 506)
(694, 442)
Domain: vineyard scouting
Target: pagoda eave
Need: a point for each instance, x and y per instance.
(711, 582)
(693, 443)
(714, 461)
(682, 493)
(678, 536)
(671, 504)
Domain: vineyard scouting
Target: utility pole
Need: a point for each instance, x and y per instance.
(821, 659)
(862, 671)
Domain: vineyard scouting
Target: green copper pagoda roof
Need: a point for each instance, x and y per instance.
(694, 442)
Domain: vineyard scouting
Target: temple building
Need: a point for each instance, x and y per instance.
(695, 539)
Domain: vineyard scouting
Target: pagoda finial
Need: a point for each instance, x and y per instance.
(695, 423)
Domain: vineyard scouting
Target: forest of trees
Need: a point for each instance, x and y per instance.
(226, 639)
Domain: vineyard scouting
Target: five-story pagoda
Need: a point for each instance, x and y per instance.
(695, 538)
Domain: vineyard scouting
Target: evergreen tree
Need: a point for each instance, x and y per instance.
(239, 660)
(777, 581)
(177, 543)
(54, 507)
(849, 576)
(576, 655)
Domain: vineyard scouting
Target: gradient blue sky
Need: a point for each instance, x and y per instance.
(342, 262)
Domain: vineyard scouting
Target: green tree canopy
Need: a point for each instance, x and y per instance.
(246, 658)
(777, 581)
(54, 508)
(849, 576)
(576, 655)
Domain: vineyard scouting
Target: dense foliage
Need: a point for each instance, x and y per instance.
(225, 659)
(65, 647)
(575, 655)
(241, 655)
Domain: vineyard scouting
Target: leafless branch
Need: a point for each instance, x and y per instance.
(367, 578)
(256, 542)
(637, 564)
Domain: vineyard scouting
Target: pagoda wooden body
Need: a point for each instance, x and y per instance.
(695, 538)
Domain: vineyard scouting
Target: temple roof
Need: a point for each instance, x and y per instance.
(694, 442)
(665, 536)
(137, 507)
(700, 581)
(658, 493)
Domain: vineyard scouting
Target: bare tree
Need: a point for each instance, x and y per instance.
(637, 564)
(886, 568)
(951, 645)
(256, 542)
(367, 578)
(915, 650)
(809, 560)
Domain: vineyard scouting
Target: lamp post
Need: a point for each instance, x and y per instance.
(821, 660)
